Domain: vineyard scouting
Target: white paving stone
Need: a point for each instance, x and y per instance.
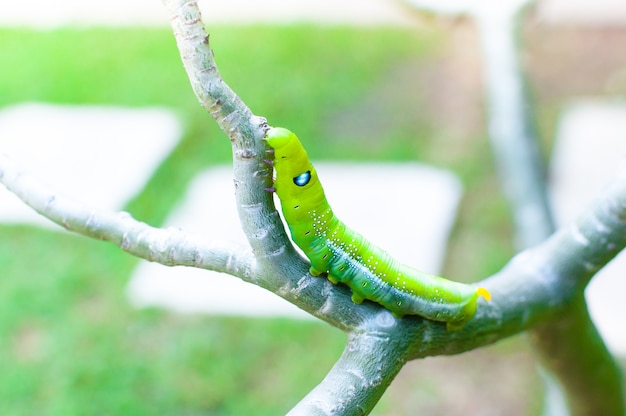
(406, 208)
(591, 144)
(98, 154)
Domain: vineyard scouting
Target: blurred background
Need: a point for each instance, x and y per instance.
(370, 81)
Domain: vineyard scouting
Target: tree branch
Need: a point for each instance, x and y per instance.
(258, 215)
(511, 126)
(281, 272)
(368, 365)
(515, 145)
(586, 369)
(542, 282)
(170, 247)
(533, 291)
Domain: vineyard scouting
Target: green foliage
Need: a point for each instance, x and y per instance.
(69, 342)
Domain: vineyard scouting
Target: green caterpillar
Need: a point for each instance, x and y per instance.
(347, 257)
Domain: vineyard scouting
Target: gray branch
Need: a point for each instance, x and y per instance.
(534, 288)
(568, 346)
(512, 128)
(510, 119)
(170, 247)
(368, 365)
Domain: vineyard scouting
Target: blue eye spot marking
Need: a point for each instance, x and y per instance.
(303, 178)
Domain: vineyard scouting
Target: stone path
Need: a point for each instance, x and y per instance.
(103, 155)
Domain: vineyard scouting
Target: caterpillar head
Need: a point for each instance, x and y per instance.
(288, 151)
(294, 171)
(278, 137)
(296, 181)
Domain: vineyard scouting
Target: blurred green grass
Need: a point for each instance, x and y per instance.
(70, 343)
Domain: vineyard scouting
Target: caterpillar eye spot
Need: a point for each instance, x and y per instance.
(296, 206)
(303, 178)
